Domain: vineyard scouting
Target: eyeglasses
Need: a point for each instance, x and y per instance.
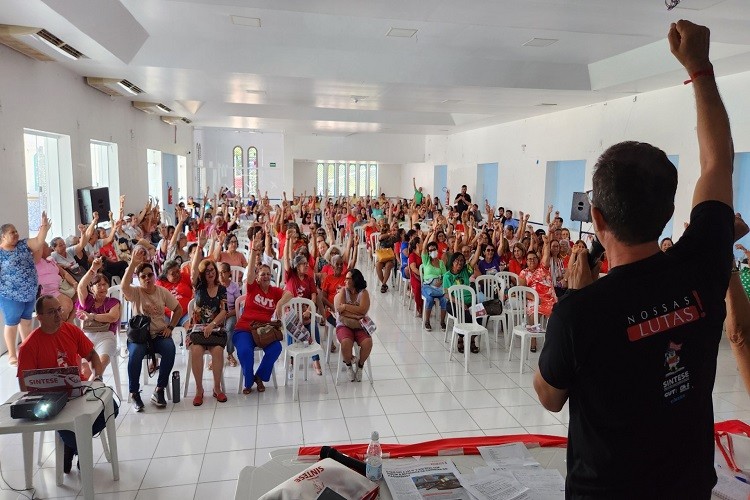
(489, 249)
(52, 312)
(146, 275)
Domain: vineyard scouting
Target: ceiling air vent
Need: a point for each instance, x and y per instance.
(147, 107)
(175, 120)
(22, 39)
(163, 108)
(113, 86)
(60, 46)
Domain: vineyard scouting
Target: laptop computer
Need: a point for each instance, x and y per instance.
(61, 379)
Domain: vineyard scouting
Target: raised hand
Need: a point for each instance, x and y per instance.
(96, 264)
(689, 43)
(740, 229)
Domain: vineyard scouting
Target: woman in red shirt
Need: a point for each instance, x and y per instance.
(518, 262)
(301, 284)
(179, 284)
(262, 303)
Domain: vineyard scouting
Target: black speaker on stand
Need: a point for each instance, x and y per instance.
(90, 200)
(581, 209)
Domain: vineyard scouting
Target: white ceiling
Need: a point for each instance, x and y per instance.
(465, 68)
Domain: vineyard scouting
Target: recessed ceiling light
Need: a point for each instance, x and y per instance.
(256, 92)
(450, 101)
(253, 22)
(547, 104)
(540, 42)
(357, 98)
(401, 32)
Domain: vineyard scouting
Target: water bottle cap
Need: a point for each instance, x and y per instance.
(375, 436)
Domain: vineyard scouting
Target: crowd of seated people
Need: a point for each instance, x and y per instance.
(315, 240)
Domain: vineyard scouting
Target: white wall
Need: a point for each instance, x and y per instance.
(46, 96)
(665, 118)
(217, 146)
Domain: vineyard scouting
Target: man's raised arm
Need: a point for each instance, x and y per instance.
(690, 44)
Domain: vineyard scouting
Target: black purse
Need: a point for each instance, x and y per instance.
(217, 337)
(139, 329)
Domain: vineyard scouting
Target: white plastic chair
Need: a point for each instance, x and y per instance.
(507, 280)
(374, 243)
(189, 367)
(490, 286)
(521, 295)
(460, 326)
(362, 247)
(300, 351)
(238, 274)
(405, 291)
(239, 306)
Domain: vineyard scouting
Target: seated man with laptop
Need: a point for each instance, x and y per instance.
(57, 344)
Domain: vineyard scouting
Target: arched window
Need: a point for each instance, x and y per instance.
(320, 184)
(252, 172)
(237, 171)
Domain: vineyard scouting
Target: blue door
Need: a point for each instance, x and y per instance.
(486, 185)
(741, 183)
(441, 181)
(669, 228)
(563, 179)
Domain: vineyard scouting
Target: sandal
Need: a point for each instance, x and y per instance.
(383, 288)
(474, 346)
(333, 347)
(247, 390)
(259, 383)
(220, 397)
(13, 361)
(231, 360)
(318, 369)
(460, 345)
(533, 348)
(198, 399)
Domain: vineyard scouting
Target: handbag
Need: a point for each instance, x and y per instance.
(217, 337)
(139, 329)
(385, 254)
(266, 333)
(94, 326)
(494, 307)
(352, 323)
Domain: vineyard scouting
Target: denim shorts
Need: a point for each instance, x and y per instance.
(14, 311)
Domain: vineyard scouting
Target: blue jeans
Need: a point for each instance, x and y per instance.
(317, 339)
(243, 342)
(69, 437)
(163, 347)
(430, 293)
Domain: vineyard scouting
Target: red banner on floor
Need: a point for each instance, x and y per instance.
(439, 447)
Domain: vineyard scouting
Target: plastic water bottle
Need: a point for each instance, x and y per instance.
(374, 459)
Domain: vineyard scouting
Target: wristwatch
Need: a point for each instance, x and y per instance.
(98, 378)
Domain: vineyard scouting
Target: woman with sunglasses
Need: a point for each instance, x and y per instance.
(491, 263)
(209, 312)
(150, 300)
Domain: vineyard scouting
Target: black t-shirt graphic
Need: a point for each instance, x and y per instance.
(636, 351)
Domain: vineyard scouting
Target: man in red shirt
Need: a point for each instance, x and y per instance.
(58, 344)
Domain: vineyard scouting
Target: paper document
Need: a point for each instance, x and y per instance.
(508, 455)
(495, 486)
(424, 479)
(543, 484)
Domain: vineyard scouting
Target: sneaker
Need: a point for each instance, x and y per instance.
(427, 326)
(158, 398)
(137, 401)
(350, 371)
(358, 375)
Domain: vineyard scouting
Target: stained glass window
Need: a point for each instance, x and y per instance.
(252, 172)
(237, 171)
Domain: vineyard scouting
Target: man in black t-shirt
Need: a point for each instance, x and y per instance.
(635, 352)
(462, 201)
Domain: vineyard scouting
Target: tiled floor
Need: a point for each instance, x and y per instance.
(419, 394)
